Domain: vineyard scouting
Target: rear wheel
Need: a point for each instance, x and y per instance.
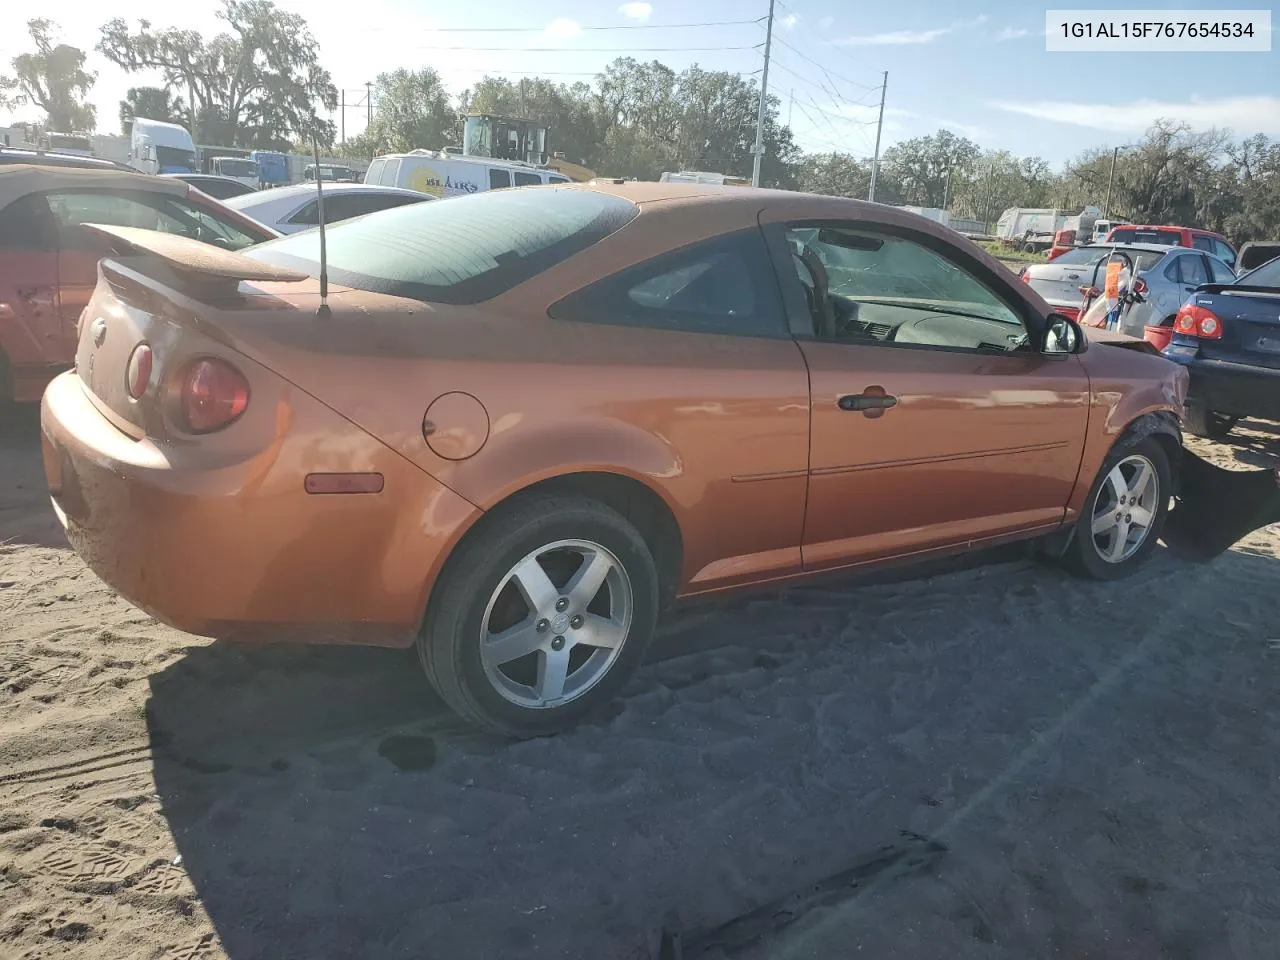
(541, 617)
(1204, 422)
(1124, 512)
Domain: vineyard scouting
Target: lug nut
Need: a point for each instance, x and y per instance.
(557, 643)
(541, 625)
(562, 603)
(577, 622)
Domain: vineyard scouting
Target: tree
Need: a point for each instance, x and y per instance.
(413, 110)
(152, 103)
(834, 174)
(919, 168)
(256, 85)
(53, 79)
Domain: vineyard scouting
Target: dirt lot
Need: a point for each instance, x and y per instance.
(1007, 764)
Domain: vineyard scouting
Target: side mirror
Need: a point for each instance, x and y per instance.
(1062, 336)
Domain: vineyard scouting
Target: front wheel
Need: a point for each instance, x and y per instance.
(541, 617)
(1124, 512)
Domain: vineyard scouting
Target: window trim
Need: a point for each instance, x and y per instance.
(801, 321)
(767, 289)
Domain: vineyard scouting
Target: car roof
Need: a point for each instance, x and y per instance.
(19, 179)
(1142, 247)
(1167, 226)
(204, 177)
(51, 158)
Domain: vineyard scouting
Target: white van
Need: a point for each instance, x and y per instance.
(159, 147)
(454, 175)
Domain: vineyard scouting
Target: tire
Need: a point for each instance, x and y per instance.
(478, 596)
(1085, 556)
(1203, 422)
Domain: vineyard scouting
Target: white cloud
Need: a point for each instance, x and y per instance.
(895, 38)
(1246, 115)
(562, 28)
(789, 21)
(637, 11)
(1012, 33)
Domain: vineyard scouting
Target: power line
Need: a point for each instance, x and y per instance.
(826, 70)
(580, 28)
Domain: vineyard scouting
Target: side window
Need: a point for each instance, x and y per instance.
(211, 228)
(27, 224)
(1219, 272)
(1202, 242)
(865, 286)
(724, 286)
(161, 212)
(1172, 271)
(499, 179)
(375, 171)
(1193, 270)
(309, 214)
(390, 176)
(1223, 252)
(343, 206)
(527, 179)
(557, 179)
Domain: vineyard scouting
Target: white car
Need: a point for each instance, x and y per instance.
(294, 208)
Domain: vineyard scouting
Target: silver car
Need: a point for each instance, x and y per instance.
(1166, 274)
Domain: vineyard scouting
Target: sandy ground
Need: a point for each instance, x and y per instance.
(994, 762)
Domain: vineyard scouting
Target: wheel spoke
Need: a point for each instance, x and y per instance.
(600, 631)
(1141, 480)
(539, 592)
(1115, 480)
(1104, 522)
(586, 583)
(1116, 550)
(553, 670)
(519, 641)
(1140, 516)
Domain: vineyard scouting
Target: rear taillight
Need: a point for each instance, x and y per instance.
(212, 396)
(138, 373)
(1140, 286)
(1197, 321)
(1022, 275)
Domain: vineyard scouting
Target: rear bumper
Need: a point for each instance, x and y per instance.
(241, 551)
(1236, 389)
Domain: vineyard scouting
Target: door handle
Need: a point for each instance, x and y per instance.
(873, 401)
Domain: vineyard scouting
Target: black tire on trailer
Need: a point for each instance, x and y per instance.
(541, 616)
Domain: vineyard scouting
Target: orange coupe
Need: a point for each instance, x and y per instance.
(522, 422)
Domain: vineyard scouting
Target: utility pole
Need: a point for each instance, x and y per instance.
(764, 96)
(368, 100)
(1111, 178)
(946, 191)
(343, 121)
(875, 160)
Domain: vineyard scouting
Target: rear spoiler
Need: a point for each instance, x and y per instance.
(1232, 287)
(201, 265)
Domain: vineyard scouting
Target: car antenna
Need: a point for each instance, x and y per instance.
(324, 255)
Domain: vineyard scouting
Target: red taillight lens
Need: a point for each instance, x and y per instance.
(138, 374)
(214, 394)
(1197, 321)
(1022, 275)
(1140, 286)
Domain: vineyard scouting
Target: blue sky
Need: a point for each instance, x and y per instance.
(979, 69)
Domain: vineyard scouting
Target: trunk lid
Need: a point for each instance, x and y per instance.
(152, 291)
(1250, 324)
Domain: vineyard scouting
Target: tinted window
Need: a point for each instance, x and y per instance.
(499, 179)
(221, 189)
(1191, 270)
(1222, 251)
(551, 179)
(527, 179)
(1085, 255)
(1202, 243)
(1167, 238)
(717, 286)
(1267, 275)
(27, 224)
(463, 251)
(166, 214)
(309, 214)
(343, 206)
(889, 289)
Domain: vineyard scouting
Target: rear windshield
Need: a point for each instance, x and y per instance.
(1267, 275)
(1082, 255)
(460, 250)
(1171, 238)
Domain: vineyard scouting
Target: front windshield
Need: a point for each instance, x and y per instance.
(238, 168)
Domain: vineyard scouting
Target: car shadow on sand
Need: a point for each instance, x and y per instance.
(1071, 742)
(25, 514)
